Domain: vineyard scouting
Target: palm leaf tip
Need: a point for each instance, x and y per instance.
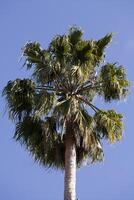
(75, 35)
(102, 43)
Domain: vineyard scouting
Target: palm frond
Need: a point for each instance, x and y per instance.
(41, 140)
(33, 53)
(75, 35)
(103, 43)
(60, 48)
(44, 102)
(88, 139)
(109, 125)
(114, 83)
(84, 52)
(20, 97)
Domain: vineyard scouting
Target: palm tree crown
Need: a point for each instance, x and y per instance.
(54, 101)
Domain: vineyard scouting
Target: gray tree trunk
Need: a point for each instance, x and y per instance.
(70, 170)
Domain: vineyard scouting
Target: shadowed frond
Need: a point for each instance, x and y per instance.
(41, 140)
(20, 97)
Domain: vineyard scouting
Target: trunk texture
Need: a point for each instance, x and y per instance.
(70, 170)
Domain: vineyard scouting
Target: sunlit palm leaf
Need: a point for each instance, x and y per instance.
(114, 84)
(109, 125)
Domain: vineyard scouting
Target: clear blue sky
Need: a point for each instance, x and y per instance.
(23, 20)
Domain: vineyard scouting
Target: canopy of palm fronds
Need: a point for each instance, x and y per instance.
(51, 104)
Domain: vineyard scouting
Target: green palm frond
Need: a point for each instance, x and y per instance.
(75, 35)
(84, 52)
(84, 48)
(80, 73)
(103, 42)
(88, 139)
(43, 71)
(33, 53)
(40, 139)
(60, 48)
(40, 60)
(67, 107)
(98, 50)
(20, 97)
(109, 125)
(44, 102)
(114, 84)
(30, 133)
(29, 129)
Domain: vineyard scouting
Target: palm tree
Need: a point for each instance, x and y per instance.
(53, 111)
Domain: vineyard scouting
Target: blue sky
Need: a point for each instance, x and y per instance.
(21, 21)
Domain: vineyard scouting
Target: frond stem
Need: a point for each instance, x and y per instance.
(89, 87)
(46, 88)
(79, 97)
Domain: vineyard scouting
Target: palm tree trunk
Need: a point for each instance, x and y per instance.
(70, 170)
